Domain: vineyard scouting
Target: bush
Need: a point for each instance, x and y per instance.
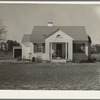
(92, 60)
(33, 59)
(19, 59)
(26, 59)
(38, 59)
(82, 61)
(95, 57)
(8, 56)
(48, 61)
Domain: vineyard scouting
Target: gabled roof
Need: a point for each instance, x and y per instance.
(89, 39)
(39, 33)
(26, 38)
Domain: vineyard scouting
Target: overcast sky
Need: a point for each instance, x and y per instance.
(19, 19)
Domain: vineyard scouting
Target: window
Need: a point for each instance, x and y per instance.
(39, 47)
(79, 47)
(59, 36)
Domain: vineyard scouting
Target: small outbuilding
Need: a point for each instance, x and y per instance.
(17, 51)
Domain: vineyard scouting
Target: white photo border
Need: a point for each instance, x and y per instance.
(49, 94)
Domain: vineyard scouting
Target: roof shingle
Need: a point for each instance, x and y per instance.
(26, 38)
(78, 33)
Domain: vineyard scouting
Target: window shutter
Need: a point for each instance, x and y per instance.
(67, 50)
(43, 47)
(35, 47)
(74, 48)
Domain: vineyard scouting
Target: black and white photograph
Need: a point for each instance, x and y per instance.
(49, 46)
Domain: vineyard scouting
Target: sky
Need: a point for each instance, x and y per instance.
(20, 19)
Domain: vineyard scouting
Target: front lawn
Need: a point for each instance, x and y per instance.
(47, 76)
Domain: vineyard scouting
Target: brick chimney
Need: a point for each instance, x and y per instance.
(50, 24)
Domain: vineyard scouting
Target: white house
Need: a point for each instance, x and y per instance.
(59, 43)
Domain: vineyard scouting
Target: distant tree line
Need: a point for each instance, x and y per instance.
(3, 32)
(8, 45)
(12, 43)
(95, 49)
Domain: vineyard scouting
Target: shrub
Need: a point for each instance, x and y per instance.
(7, 56)
(91, 60)
(19, 59)
(82, 61)
(26, 59)
(33, 59)
(39, 59)
(94, 59)
(48, 61)
(77, 60)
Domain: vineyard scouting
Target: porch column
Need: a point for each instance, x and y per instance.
(66, 51)
(86, 48)
(47, 50)
(70, 50)
(51, 50)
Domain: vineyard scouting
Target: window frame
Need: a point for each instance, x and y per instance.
(76, 48)
(38, 46)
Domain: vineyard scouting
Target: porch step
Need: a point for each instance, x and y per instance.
(59, 60)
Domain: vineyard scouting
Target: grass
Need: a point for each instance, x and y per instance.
(43, 76)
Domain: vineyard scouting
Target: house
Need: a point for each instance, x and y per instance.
(59, 43)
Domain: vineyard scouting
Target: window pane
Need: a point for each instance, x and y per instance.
(39, 50)
(78, 48)
(39, 47)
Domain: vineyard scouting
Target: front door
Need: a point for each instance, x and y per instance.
(59, 50)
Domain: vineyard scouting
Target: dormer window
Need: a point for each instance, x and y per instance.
(58, 36)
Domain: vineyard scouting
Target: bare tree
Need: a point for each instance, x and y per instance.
(3, 32)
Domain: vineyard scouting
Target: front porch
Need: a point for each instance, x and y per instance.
(60, 60)
(59, 46)
(58, 51)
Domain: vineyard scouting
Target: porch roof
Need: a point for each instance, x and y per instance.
(39, 33)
